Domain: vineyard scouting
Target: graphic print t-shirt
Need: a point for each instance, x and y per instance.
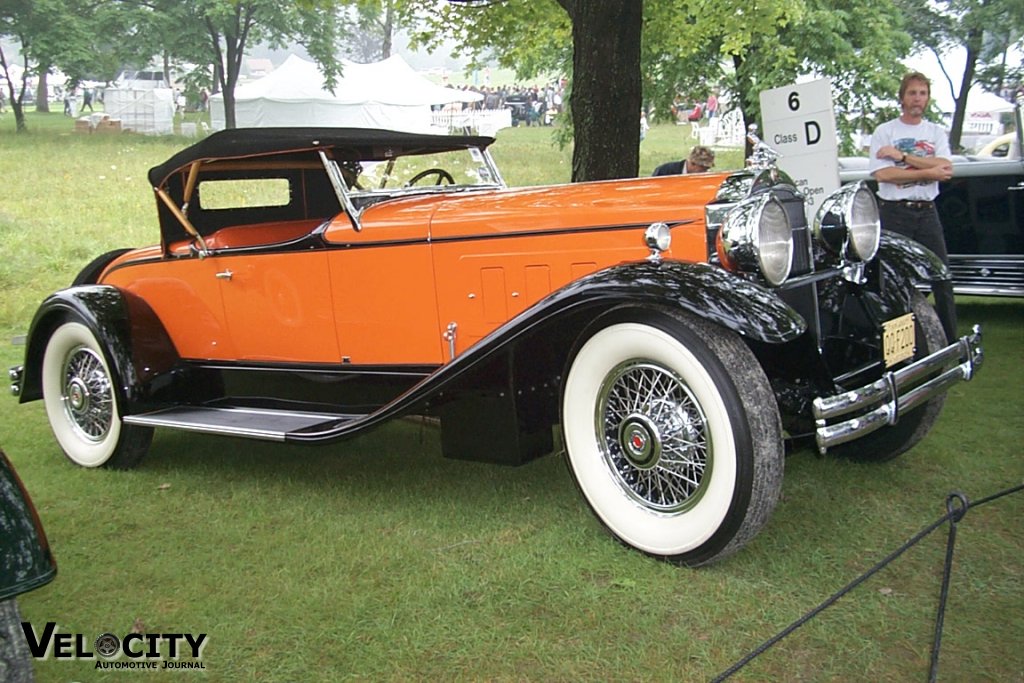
(925, 139)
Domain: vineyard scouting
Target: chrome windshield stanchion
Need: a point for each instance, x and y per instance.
(881, 402)
(338, 184)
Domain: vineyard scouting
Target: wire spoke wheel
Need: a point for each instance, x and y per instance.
(87, 395)
(655, 436)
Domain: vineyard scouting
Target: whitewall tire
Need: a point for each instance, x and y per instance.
(82, 402)
(673, 436)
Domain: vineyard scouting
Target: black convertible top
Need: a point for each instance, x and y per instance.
(357, 144)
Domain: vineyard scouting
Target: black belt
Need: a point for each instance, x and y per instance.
(911, 203)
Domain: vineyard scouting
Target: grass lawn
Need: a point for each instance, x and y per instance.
(377, 559)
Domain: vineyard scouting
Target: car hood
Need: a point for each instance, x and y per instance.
(604, 204)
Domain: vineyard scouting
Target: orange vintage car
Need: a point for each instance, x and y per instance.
(672, 333)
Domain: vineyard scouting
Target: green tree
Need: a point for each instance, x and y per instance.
(667, 47)
(48, 33)
(985, 29)
(745, 48)
(217, 33)
(373, 24)
(598, 42)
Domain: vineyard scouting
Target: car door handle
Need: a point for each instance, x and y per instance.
(225, 275)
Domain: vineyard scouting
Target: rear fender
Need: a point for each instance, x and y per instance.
(135, 343)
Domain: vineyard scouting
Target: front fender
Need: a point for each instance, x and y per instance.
(135, 343)
(910, 260)
(747, 308)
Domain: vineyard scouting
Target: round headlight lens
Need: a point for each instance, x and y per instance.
(865, 226)
(774, 242)
(756, 236)
(847, 223)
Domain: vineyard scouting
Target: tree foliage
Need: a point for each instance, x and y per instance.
(598, 42)
(96, 38)
(219, 31)
(48, 33)
(687, 47)
(371, 26)
(985, 30)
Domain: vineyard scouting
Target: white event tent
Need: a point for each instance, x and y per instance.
(386, 94)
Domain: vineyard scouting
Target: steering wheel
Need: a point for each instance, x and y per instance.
(443, 177)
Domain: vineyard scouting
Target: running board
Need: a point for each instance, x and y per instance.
(252, 423)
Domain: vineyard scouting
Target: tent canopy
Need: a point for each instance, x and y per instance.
(386, 94)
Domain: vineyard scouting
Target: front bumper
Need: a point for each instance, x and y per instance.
(881, 403)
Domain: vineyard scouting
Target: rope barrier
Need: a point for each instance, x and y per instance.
(957, 505)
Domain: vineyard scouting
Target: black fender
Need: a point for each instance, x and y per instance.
(747, 308)
(531, 349)
(26, 561)
(909, 260)
(135, 344)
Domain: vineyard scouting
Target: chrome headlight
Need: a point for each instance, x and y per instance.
(756, 236)
(847, 223)
(658, 237)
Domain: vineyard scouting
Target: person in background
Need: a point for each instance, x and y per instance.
(701, 160)
(909, 157)
(712, 105)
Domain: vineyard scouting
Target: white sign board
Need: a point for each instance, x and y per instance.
(800, 124)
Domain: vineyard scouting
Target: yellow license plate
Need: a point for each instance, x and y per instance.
(898, 339)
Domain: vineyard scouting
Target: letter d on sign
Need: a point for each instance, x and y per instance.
(813, 132)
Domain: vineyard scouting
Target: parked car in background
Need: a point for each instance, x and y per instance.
(310, 284)
(982, 214)
(26, 563)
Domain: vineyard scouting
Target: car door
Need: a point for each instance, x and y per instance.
(278, 306)
(383, 284)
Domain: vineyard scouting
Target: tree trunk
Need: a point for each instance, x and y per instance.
(19, 116)
(973, 45)
(43, 91)
(389, 29)
(606, 89)
(15, 99)
(744, 86)
(167, 69)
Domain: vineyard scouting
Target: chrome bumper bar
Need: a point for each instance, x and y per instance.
(881, 403)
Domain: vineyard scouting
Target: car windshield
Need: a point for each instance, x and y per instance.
(456, 169)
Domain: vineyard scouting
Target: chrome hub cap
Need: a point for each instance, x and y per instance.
(653, 436)
(87, 395)
(640, 442)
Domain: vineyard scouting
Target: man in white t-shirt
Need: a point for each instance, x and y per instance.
(909, 157)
